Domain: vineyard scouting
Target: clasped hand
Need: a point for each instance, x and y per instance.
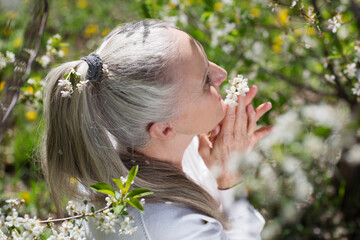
(236, 133)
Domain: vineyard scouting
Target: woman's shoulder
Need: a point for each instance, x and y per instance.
(165, 221)
(176, 221)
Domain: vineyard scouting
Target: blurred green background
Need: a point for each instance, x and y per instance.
(300, 66)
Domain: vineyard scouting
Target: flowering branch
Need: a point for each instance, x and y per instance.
(113, 213)
(75, 217)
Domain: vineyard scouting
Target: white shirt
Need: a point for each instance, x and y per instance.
(177, 222)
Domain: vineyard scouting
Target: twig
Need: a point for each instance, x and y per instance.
(295, 83)
(28, 69)
(74, 217)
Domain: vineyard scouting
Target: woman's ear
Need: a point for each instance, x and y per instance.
(162, 131)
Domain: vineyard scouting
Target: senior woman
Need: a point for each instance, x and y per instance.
(151, 99)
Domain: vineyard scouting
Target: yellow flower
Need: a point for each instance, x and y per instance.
(26, 196)
(11, 15)
(105, 31)
(65, 50)
(218, 6)
(81, 4)
(189, 2)
(283, 16)
(29, 90)
(90, 30)
(6, 31)
(73, 180)
(171, 5)
(311, 31)
(255, 12)
(31, 115)
(17, 42)
(276, 48)
(298, 32)
(2, 84)
(278, 40)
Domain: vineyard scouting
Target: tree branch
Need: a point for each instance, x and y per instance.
(295, 83)
(27, 72)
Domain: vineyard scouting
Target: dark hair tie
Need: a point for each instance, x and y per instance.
(95, 66)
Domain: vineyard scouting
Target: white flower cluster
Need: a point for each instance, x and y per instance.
(293, 4)
(350, 70)
(334, 25)
(54, 47)
(356, 89)
(8, 58)
(67, 85)
(239, 87)
(26, 227)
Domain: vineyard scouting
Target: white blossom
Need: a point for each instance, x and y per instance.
(126, 226)
(33, 227)
(10, 57)
(302, 188)
(326, 115)
(45, 61)
(357, 51)
(350, 70)
(13, 202)
(293, 4)
(66, 94)
(239, 87)
(13, 220)
(2, 61)
(2, 235)
(76, 208)
(80, 86)
(353, 156)
(106, 221)
(31, 81)
(78, 233)
(286, 129)
(330, 78)
(313, 145)
(243, 89)
(334, 24)
(356, 89)
(290, 165)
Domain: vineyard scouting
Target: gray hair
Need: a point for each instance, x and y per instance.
(137, 91)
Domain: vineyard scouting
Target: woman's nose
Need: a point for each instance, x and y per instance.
(218, 73)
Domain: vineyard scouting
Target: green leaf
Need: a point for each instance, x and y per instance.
(130, 179)
(135, 203)
(119, 183)
(118, 209)
(92, 209)
(117, 195)
(103, 188)
(139, 192)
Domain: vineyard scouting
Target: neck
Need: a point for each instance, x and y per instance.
(171, 151)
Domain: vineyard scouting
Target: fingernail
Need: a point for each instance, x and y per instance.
(269, 103)
(251, 108)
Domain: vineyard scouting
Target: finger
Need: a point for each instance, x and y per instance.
(251, 94)
(262, 132)
(262, 109)
(214, 133)
(259, 134)
(241, 122)
(251, 120)
(227, 128)
(204, 146)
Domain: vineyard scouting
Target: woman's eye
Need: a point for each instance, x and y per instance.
(208, 80)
